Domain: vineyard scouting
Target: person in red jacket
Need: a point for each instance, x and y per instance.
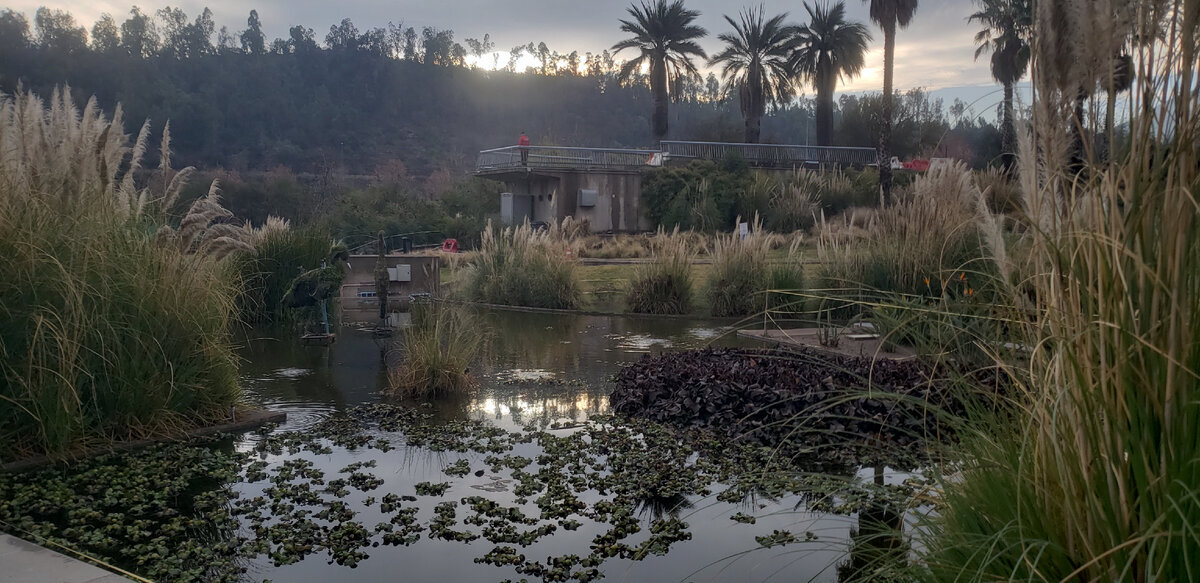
(523, 144)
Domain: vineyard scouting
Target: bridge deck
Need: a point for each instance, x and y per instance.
(510, 159)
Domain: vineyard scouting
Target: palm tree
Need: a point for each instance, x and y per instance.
(888, 14)
(827, 49)
(666, 37)
(756, 63)
(1007, 25)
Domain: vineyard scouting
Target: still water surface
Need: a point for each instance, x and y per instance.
(538, 369)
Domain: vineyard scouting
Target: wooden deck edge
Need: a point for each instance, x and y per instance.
(790, 343)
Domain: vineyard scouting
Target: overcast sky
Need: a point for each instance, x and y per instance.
(935, 52)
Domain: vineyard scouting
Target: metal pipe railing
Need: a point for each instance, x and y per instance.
(770, 154)
(765, 155)
(552, 157)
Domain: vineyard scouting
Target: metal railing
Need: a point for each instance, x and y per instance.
(771, 155)
(555, 158)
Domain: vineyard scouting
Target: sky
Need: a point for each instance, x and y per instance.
(935, 52)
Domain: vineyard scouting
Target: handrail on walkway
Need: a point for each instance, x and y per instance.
(771, 154)
(759, 155)
(562, 158)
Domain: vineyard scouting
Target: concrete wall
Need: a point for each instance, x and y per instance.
(534, 197)
(553, 196)
(426, 278)
(618, 200)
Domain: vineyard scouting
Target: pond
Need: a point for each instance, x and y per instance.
(540, 370)
(526, 478)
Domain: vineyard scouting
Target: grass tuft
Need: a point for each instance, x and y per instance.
(107, 330)
(436, 353)
(521, 267)
(664, 286)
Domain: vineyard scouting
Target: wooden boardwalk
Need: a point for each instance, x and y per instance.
(24, 562)
(851, 342)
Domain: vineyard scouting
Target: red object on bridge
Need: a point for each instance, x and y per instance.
(919, 164)
(450, 246)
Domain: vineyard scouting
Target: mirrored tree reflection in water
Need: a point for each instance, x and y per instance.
(877, 545)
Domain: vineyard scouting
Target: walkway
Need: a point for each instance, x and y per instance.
(25, 562)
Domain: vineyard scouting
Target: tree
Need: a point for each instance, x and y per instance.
(1007, 25)
(253, 40)
(199, 34)
(173, 24)
(225, 41)
(756, 62)
(828, 49)
(889, 14)
(302, 40)
(343, 36)
(480, 48)
(138, 35)
(106, 36)
(666, 38)
(57, 32)
(14, 32)
(410, 44)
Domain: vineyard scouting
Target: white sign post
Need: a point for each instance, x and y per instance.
(743, 230)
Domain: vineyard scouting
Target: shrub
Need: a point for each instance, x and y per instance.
(107, 331)
(702, 196)
(664, 286)
(521, 267)
(436, 352)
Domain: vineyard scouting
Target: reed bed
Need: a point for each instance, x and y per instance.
(280, 253)
(519, 266)
(111, 327)
(928, 238)
(1092, 473)
(664, 286)
(742, 275)
(436, 353)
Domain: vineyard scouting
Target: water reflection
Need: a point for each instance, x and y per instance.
(537, 369)
(877, 545)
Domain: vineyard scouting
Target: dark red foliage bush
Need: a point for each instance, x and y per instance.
(804, 400)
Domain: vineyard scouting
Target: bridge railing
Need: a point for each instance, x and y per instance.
(771, 154)
(556, 158)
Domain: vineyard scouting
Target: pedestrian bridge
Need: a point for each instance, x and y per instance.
(509, 158)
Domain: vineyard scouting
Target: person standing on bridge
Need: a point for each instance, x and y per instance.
(523, 144)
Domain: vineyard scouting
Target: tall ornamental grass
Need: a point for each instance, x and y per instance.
(1095, 475)
(743, 273)
(436, 353)
(519, 266)
(664, 286)
(110, 327)
(928, 237)
(280, 254)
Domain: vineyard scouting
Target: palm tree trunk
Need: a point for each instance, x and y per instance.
(1008, 131)
(658, 93)
(825, 87)
(885, 125)
(754, 106)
